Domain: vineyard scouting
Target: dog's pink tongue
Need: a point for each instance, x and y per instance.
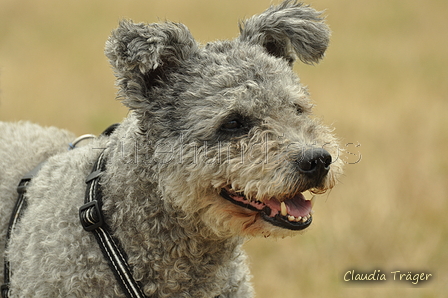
(296, 206)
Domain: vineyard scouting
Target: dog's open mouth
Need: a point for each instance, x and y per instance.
(292, 213)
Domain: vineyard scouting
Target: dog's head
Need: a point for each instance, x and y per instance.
(228, 125)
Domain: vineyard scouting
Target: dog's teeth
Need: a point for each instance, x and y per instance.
(283, 209)
(304, 219)
(311, 212)
(308, 195)
(298, 219)
(291, 218)
(312, 201)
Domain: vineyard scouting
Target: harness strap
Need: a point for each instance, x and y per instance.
(17, 212)
(92, 220)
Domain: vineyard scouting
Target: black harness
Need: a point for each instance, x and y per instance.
(19, 207)
(92, 220)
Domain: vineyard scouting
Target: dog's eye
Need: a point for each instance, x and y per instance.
(232, 125)
(299, 109)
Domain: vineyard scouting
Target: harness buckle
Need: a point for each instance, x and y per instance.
(23, 185)
(5, 290)
(91, 216)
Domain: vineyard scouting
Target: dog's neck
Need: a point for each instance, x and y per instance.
(151, 231)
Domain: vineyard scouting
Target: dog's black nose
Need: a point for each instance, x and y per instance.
(314, 162)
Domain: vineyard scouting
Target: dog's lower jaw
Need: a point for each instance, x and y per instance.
(280, 221)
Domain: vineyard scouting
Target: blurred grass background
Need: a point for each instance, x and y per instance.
(383, 85)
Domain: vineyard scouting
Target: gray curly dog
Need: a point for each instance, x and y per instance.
(219, 146)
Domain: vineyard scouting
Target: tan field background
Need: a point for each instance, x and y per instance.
(383, 85)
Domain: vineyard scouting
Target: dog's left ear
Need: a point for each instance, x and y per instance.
(287, 30)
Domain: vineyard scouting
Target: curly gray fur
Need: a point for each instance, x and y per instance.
(228, 114)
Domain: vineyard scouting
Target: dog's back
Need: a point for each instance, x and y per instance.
(23, 145)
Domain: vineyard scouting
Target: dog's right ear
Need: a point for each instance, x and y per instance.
(142, 54)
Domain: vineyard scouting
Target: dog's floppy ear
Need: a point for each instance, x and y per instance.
(143, 54)
(287, 30)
